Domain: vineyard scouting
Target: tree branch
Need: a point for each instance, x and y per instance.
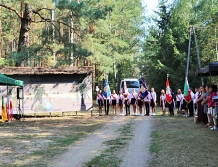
(11, 9)
(43, 19)
(39, 9)
(52, 22)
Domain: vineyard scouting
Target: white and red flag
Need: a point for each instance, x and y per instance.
(169, 98)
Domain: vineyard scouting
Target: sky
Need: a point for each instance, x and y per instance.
(151, 5)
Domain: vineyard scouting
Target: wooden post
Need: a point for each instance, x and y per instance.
(50, 114)
(35, 115)
(76, 113)
(62, 114)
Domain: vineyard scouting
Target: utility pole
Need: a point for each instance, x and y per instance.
(192, 32)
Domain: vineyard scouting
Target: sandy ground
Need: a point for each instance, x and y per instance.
(135, 155)
(90, 146)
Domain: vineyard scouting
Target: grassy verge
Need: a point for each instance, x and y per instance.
(34, 142)
(177, 141)
(109, 156)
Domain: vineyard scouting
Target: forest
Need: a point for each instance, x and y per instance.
(117, 37)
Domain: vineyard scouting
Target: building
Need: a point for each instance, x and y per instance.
(49, 89)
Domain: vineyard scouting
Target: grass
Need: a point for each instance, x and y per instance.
(35, 141)
(108, 157)
(178, 141)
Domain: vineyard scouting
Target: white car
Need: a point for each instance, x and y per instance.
(131, 83)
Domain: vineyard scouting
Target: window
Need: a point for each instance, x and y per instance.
(131, 84)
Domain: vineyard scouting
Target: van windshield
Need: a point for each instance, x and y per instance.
(131, 84)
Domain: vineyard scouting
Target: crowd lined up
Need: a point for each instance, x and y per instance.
(124, 100)
(200, 103)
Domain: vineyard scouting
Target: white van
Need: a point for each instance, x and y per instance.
(131, 83)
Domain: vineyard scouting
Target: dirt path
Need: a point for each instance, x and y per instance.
(91, 146)
(137, 154)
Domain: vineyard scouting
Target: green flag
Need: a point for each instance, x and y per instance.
(186, 87)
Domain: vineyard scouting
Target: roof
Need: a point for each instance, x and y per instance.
(210, 70)
(4, 80)
(45, 70)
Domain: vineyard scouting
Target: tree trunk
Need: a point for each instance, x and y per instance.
(24, 29)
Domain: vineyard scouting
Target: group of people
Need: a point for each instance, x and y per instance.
(201, 104)
(125, 99)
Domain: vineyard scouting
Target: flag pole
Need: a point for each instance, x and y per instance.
(188, 57)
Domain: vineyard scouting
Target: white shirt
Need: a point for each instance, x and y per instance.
(134, 95)
(120, 97)
(196, 97)
(192, 95)
(162, 97)
(148, 98)
(99, 97)
(154, 96)
(179, 97)
(114, 97)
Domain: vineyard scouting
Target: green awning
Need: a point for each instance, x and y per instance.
(4, 80)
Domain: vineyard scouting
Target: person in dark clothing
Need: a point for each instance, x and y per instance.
(106, 105)
(171, 105)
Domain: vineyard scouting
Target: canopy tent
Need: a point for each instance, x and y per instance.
(4, 80)
(7, 81)
(210, 70)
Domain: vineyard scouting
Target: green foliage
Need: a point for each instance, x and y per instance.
(105, 33)
(166, 43)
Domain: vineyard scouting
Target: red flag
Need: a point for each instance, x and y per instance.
(188, 98)
(187, 91)
(169, 98)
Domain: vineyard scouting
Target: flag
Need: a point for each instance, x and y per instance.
(187, 94)
(10, 110)
(168, 93)
(123, 90)
(107, 91)
(144, 89)
(4, 112)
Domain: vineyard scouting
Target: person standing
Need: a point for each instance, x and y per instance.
(212, 107)
(139, 102)
(106, 104)
(100, 102)
(163, 101)
(199, 106)
(196, 98)
(147, 100)
(171, 104)
(214, 89)
(153, 101)
(191, 104)
(127, 100)
(133, 97)
(179, 101)
(121, 102)
(205, 104)
(114, 101)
